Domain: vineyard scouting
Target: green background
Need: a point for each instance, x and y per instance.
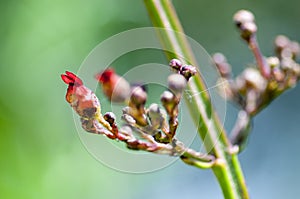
(41, 153)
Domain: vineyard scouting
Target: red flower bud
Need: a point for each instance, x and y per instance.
(116, 88)
(82, 99)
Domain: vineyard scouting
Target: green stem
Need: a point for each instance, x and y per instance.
(227, 168)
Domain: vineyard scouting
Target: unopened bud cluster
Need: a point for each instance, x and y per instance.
(154, 123)
(257, 86)
(149, 128)
(160, 123)
(185, 70)
(245, 22)
(261, 83)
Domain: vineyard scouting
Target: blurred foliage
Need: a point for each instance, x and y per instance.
(41, 155)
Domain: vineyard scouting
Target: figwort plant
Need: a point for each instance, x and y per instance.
(153, 129)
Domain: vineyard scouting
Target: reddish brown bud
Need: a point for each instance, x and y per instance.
(169, 101)
(110, 118)
(71, 79)
(138, 96)
(188, 71)
(115, 87)
(82, 99)
(175, 64)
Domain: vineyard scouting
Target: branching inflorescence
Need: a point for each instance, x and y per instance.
(150, 128)
(153, 128)
(256, 87)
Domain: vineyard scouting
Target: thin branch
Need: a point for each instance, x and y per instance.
(261, 62)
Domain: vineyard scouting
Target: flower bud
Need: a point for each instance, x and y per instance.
(188, 71)
(136, 106)
(278, 74)
(287, 53)
(168, 100)
(153, 110)
(115, 87)
(287, 64)
(81, 98)
(138, 96)
(175, 64)
(219, 58)
(281, 41)
(167, 97)
(245, 21)
(295, 48)
(126, 130)
(254, 79)
(126, 110)
(156, 115)
(273, 62)
(243, 16)
(223, 67)
(129, 119)
(177, 84)
(249, 28)
(296, 69)
(110, 117)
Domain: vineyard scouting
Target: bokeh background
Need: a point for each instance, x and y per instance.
(41, 153)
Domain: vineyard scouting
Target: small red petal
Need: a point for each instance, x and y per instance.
(78, 81)
(73, 79)
(105, 75)
(67, 79)
(70, 74)
(109, 71)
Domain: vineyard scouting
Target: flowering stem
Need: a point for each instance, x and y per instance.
(227, 167)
